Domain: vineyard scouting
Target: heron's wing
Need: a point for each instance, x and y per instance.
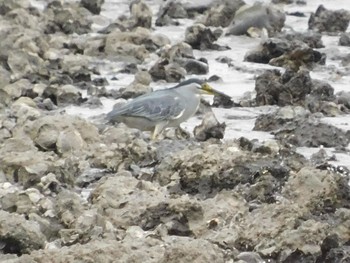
(157, 106)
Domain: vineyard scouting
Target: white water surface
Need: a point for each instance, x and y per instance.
(238, 81)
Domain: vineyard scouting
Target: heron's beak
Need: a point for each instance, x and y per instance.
(207, 89)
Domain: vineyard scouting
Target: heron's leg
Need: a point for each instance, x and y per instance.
(158, 129)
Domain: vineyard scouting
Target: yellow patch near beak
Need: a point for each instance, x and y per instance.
(207, 89)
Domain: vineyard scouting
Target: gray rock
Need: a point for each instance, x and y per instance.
(343, 97)
(202, 38)
(311, 38)
(257, 16)
(5, 76)
(69, 141)
(131, 45)
(6, 6)
(221, 13)
(168, 11)
(68, 94)
(182, 249)
(297, 128)
(22, 161)
(288, 89)
(141, 14)
(311, 134)
(282, 116)
(93, 6)
(138, 87)
(250, 257)
(344, 39)
(23, 17)
(171, 72)
(46, 130)
(174, 73)
(209, 128)
(22, 63)
(324, 20)
(17, 88)
(18, 235)
(100, 251)
(68, 207)
(284, 53)
(197, 67)
(69, 19)
(321, 157)
(118, 199)
(296, 89)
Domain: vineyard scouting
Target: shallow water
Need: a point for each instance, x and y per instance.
(236, 83)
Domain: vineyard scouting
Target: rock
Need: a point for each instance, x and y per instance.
(141, 14)
(221, 101)
(311, 38)
(68, 19)
(7, 6)
(344, 39)
(69, 140)
(22, 64)
(125, 210)
(138, 87)
(321, 157)
(282, 116)
(68, 207)
(296, 89)
(25, 108)
(224, 59)
(299, 57)
(221, 13)
(209, 128)
(93, 6)
(177, 52)
(324, 20)
(197, 67)
(343, 97)
(288, 89)
(18, 235)
(63, 95)
(132, 45)
(225, 167)
(168, 11)
(22, 162)
(202, 38)
(88, 177)
(296, 128)
(257, 16)
(322, 99)
(171, 72)
(5, 75)
(130, 68)
(289, 54)
(192, 250)
(46, 130)
(250, 257)
(303, 134)
(68, 94)
(174, 63)
(17, 88)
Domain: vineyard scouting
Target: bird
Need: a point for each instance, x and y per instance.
(164, 108)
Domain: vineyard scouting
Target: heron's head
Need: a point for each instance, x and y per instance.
(199, 86)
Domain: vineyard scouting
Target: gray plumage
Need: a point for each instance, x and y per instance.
(162, 108)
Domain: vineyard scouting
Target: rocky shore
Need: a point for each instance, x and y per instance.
(76, 189)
